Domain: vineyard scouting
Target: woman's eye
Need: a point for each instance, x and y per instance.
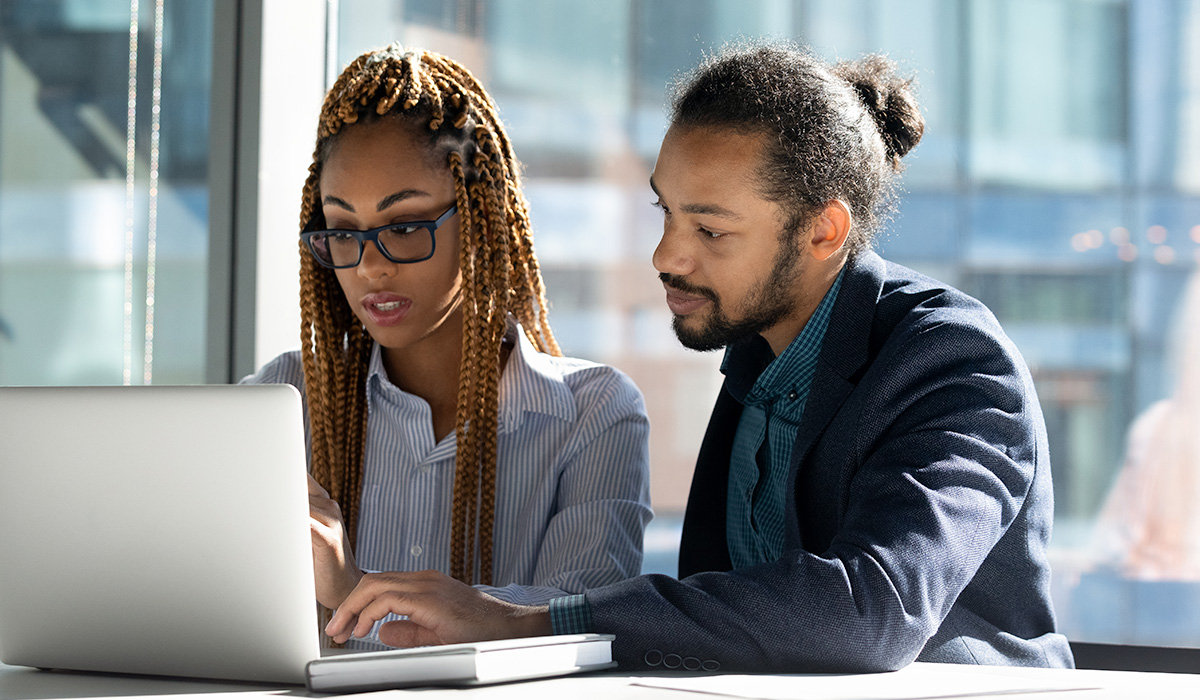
(657, 204)
(402, 230)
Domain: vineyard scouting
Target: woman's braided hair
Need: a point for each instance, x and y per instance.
(436, 96)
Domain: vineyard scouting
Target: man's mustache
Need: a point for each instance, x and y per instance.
(686, 287)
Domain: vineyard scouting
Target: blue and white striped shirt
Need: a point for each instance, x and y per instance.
(572, 476)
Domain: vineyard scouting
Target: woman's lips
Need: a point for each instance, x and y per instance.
(683, 304)
(385, 308)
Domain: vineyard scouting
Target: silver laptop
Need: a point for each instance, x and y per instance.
(156, 530)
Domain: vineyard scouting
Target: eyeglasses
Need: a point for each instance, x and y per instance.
(405, 242)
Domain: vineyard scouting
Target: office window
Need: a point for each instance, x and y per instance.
(1054, 183)
(1165, 111)
(103, 191)
(1047, 92)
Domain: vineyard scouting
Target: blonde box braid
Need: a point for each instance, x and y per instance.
(500, 275)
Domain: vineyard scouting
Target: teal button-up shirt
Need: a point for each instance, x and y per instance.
(774, 391)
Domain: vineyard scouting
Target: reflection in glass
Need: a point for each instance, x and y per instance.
(1147, 537)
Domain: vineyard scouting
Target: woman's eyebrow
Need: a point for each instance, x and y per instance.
(399, 197)
(383, 203)
(337, 202)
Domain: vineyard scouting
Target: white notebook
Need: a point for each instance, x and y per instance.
(462, 664)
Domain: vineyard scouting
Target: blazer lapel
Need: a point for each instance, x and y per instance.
(844, 351)
(703, 545)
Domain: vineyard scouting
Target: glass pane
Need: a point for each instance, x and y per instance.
(1055, 182)
(1047, 92)
(103, 276)
(1166, 63)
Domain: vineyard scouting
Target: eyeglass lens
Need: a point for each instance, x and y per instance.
(399, 243)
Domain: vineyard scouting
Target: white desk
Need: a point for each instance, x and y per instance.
(917, 680)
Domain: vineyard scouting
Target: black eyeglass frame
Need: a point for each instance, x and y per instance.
(373, 235)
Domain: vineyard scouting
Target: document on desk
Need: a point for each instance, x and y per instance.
(915, 682)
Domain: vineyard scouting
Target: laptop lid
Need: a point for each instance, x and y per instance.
(156, 530)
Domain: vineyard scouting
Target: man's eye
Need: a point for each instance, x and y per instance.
(657, 204)
(708, 234)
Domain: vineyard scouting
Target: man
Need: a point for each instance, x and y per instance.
(874, 486)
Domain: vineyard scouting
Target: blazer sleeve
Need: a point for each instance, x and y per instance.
(939, 444)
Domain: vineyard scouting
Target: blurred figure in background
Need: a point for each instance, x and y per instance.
(1149, 527)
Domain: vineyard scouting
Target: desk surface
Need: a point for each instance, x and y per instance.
(918, 680)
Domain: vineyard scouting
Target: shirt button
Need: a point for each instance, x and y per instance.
(416, 550)
(792, 395)
(426, 468)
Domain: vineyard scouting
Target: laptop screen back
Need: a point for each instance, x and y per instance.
(156, 530)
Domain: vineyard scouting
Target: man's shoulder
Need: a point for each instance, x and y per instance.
(915, 318)
(911, 301)
(904, 287)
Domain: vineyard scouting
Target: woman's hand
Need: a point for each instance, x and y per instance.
(440, 610)
(333, 562)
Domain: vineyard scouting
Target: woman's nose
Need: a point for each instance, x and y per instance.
(373, 265)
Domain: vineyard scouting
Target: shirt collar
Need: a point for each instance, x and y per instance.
(744, 362)
(531, 382)
(375, 370)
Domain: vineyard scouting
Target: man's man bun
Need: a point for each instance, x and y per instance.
(890, 100)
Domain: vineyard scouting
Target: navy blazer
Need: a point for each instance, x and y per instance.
(919, 512)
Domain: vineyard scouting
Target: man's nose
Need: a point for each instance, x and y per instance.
(672, 255)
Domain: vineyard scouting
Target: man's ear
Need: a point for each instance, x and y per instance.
(830, 228)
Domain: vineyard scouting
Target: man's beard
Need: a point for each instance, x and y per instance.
(769, 303)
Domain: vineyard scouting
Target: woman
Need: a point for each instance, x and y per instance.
(446, 431)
